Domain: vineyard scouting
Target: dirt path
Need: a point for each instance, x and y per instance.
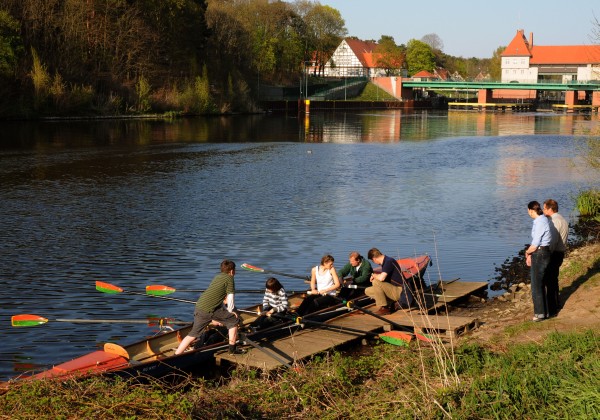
(507, 320)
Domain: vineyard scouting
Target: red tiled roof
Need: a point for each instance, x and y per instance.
(558, 54)
(565, 54)
(442, 73)
(519, 46)
(369, 60)
(424, 73)
(363, 50)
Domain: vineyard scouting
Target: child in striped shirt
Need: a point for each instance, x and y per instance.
(274, 301)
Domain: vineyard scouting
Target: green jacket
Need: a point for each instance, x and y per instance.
(359, 277)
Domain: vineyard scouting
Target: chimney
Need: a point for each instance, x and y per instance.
(530, 39)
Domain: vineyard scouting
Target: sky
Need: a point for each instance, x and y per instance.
(471, 28)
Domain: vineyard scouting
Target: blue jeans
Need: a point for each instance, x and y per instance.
(539, 263)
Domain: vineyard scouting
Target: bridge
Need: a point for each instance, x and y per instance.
(444, 85)
(404, 89)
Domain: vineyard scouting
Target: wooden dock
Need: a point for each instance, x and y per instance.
(502, 107)
(303, 343)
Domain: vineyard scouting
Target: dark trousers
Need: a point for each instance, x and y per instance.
(264, 321)
(539, 264)
(551, 282)
(314, 303)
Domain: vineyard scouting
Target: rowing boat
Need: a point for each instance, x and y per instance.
(155, 356)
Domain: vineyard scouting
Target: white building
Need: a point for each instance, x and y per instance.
(524, 62)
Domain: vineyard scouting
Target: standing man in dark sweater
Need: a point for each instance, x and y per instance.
(209, 308)
(560, 234)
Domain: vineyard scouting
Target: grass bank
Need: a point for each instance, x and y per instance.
(555, 379)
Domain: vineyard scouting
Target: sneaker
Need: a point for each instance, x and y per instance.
(538, 318)
(233, 349)
(384, 310)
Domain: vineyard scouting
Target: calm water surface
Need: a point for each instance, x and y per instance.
(150, 202)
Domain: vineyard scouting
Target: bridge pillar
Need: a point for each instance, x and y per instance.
(596, 98)
(571, 98)
(485, 96)
(404, 92)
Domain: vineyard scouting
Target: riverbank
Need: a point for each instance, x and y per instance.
(508, 367)
(507, 319)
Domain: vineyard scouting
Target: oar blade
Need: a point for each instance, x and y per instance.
(249, 267)
(397, 338)
(424, 337)
(159, 290)
(27, 320)
(108, 288)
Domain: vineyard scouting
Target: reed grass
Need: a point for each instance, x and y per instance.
(588, 204)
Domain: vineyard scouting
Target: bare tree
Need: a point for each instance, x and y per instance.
(434, 41)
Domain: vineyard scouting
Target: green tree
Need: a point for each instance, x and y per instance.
(419, 57)
(389, 56)
(11, 46)
(495, 67)
(325, 30)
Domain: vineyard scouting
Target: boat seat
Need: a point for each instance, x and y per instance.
(116, 349)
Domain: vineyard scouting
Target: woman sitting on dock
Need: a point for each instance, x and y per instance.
(324, 283)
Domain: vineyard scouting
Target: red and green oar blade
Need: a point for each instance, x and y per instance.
(159, 290)
(249, 267)
(108, 288)
(27, 320)
(397, 338)
(112, 289)
(256, 269)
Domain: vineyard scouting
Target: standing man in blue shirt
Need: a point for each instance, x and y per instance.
(538, 257)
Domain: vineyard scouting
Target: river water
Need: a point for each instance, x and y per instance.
(139, 202)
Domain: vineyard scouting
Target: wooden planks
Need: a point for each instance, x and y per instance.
(301, 344)
(450, 326)
(452, 292)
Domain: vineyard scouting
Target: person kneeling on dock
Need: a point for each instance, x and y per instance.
(388, 287)
(209, 308)
(275, 301)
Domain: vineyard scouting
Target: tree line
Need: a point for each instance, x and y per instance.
(64, 57)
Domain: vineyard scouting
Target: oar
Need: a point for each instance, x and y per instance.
(29, 320)
(112, 289)
(409, 330)
(162, 290)
(400, 339)
(417, 292)
(244, 338)
(256, 269)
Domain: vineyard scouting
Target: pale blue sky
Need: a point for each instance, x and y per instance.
(471, 28)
